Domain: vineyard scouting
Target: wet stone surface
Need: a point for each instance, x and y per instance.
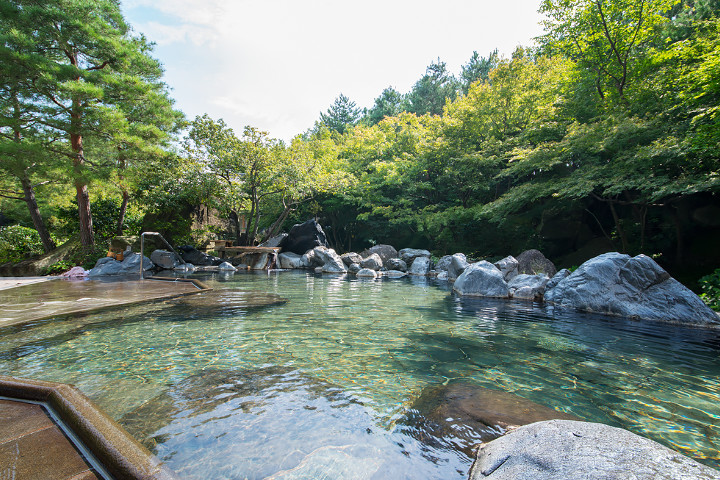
(463, 416)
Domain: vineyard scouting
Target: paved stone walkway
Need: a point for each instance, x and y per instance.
(32, 446)
(46, 299)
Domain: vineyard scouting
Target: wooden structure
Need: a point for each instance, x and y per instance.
(231, 252)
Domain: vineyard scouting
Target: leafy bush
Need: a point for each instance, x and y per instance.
(710, 286)
(18, 243)
(105, 214)
(59, 267)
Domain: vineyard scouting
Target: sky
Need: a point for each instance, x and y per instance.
(276, 64)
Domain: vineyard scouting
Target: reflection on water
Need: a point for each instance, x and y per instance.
(293, 375)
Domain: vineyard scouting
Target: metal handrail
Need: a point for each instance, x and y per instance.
(142, 250)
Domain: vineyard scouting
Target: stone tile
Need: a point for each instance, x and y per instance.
(18, 419)
(43, 455)
(89, 475)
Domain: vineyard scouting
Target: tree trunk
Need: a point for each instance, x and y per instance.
(618, 227)
(29, 191)
(87, 237)
(123, 211)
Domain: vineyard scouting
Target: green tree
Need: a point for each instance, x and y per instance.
(83, 64)
(341, 115)
(478, 68)
(389, 104)
(430, 93)
(607, 38)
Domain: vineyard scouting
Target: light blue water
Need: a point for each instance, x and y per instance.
(293, 375)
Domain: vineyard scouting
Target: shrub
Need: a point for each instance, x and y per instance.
(18, 243)
(710, 286)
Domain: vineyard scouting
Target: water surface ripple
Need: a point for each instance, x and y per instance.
(295, 375)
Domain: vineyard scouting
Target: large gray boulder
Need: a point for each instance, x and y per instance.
(408, 255)
(329, 260)
(354, 268)
(566, 449)
(350, 258)
(509, 267)
(533, 262)
(420, 266)
(530, 287)
(396, 264)
(443, 265)
(129, 266)
(481, 279)
(165, 259)
(458, 264)
(373, 262)
(637, 287)
(290, 260)
(303, 237)
(557, 278)
(386, 252)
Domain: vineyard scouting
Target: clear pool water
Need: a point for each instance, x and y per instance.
(290, 375)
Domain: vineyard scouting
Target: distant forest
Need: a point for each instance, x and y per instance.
(605, 136)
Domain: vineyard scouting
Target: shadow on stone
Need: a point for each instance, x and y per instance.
(461, 416)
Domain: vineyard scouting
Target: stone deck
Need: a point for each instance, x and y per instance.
(24, 302)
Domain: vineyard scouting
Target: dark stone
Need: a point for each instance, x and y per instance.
(196, 257)
(396, 264)
(462, 415)
(303, 237)
(533, 262)
(350, 258)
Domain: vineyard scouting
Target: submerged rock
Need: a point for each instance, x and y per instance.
(481, 279)
(564, 449)
(636, 287)
(395, 274)
(463, 415)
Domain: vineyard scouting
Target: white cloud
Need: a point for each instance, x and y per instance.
(276, 64)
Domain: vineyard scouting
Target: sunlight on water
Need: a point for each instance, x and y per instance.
(293, 375)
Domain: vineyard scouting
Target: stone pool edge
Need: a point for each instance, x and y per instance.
(118, 452)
